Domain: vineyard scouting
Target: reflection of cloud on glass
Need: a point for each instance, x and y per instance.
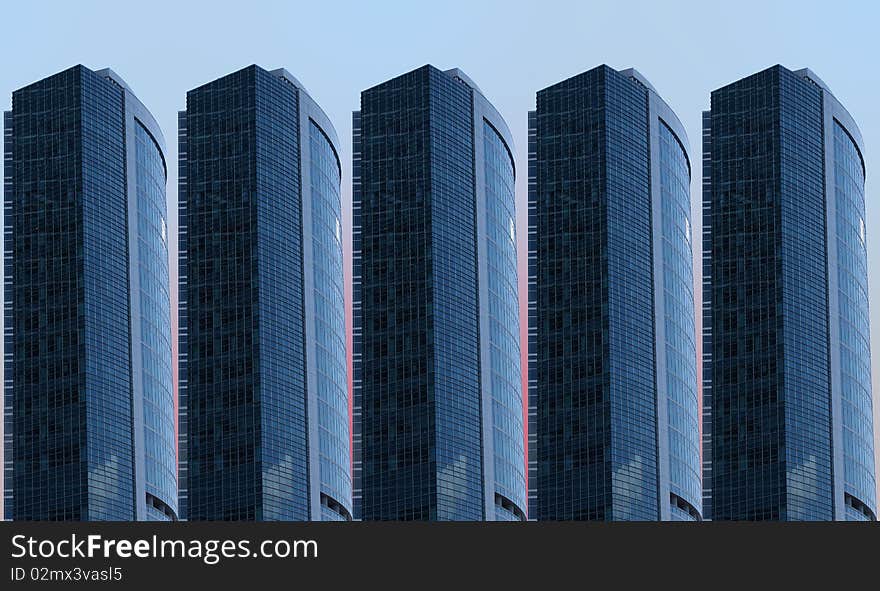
(454, 475)
(281, 476)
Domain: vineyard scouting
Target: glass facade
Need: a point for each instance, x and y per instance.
(419, 443)
(72, 433)
(778, 349)
(598, 390)
(632, 455)
(329, 301)
(236, 436)
(503, 337)
(244, 387)
(749, 271)
(683, 406)
(570, 477)
(454, 336)
(854, 333)
(803, 287)
(160, 442)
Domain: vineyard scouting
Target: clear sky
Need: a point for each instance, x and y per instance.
(510, 48)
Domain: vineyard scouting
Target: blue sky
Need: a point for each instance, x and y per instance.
(510, 48)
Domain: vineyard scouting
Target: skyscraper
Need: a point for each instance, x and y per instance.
(89, 396)
(438, 407)
(264, 414)
(613, 408)
(788, 429)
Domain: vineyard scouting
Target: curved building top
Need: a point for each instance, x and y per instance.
(841, 113)
(143, 114)
(496, 119)
(315, 111)
(669, 115)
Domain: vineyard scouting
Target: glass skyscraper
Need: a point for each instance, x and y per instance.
(89, 395)
(613, 407)
(264, 413)
(438, 408)
(787, 421)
